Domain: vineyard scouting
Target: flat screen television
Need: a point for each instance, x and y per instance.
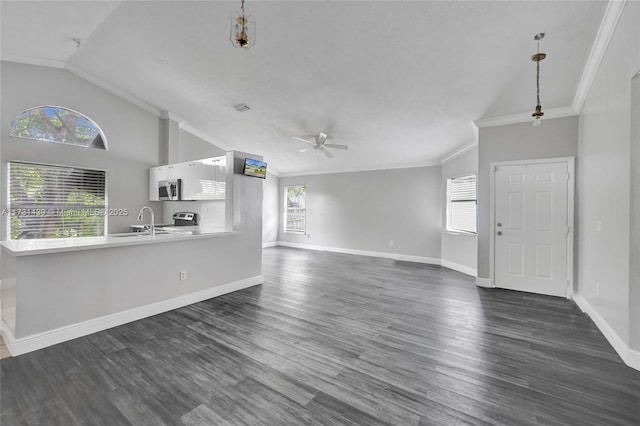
(255, 168)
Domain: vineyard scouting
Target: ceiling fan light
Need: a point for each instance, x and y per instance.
(318, 144)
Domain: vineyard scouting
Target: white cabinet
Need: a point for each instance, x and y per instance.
(201, 179)
(204, 179)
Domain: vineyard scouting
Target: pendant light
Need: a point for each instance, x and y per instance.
(243, 30)
(537, 114)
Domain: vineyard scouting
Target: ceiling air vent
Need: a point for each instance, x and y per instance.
(241, 107)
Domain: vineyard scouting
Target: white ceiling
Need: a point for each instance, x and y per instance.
(399, 82)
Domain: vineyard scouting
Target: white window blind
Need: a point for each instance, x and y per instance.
(461, 204)
(47, 201)
(295, 209)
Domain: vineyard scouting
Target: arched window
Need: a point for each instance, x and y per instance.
(60, 125)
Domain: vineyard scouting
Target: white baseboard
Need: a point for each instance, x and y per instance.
(42, 340)
(629, 356)
(460, 268)
(633, 359)
(269, 244)
(394, 256)
(484, 282)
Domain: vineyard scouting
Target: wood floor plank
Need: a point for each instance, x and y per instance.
(335, 339)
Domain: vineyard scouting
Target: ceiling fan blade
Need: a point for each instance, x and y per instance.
(304, 140)
(327, 153)
(306, 149)
(336, 146)
(321, 138)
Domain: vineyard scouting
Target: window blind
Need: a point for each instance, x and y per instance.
(461, 205)
(47, 201)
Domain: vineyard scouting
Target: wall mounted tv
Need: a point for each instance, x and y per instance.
(255, 168)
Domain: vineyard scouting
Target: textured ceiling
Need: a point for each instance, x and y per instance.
(399, 82)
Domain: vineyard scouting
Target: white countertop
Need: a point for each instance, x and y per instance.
(59, 245)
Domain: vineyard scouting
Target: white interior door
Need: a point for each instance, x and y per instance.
(531, 227)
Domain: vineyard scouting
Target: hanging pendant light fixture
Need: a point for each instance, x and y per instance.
(537, 114)
(243, 30)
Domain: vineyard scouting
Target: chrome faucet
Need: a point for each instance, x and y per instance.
(152, 227)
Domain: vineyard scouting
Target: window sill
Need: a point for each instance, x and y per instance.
(295, 232)
(461, 233)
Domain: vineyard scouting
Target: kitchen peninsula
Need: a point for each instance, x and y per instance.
(57, 290)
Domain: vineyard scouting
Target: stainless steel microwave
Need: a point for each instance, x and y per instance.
(170, 190)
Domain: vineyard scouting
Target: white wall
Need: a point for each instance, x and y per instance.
(192, 147)
(270, 209)
(365, 210)
(604, 180)
(132, 134)
(634, 266)
(459, 251)
(554, 138)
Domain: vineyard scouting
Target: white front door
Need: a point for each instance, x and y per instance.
(531, 227)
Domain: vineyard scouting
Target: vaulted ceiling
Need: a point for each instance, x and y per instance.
(400, 82)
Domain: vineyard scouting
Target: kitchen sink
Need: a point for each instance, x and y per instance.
(138, 234)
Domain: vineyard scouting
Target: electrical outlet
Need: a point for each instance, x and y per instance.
(308, 235)
(183, 275)
(390, 243)
(599, 225)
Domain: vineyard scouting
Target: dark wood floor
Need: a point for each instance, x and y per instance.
(335, 339)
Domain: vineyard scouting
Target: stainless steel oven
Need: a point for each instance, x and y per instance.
(185, 219)
(170, 190)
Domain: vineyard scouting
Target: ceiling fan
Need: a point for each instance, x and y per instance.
(318, 143)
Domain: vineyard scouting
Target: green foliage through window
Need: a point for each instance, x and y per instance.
(58, 124)
(295, 209)
(47, 201)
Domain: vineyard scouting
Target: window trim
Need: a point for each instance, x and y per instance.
(35, 163)
(285, 209)
(102, 134)
(454, 231)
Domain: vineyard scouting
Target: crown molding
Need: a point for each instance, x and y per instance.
(524, 117)
(367, 169)
(42, 62)
(168, 115)
(598, 49)
(458, 151)
(74, 69)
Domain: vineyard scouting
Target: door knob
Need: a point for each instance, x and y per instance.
(499, 232)
(498, 224)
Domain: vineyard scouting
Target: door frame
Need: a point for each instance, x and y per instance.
(570, 162)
